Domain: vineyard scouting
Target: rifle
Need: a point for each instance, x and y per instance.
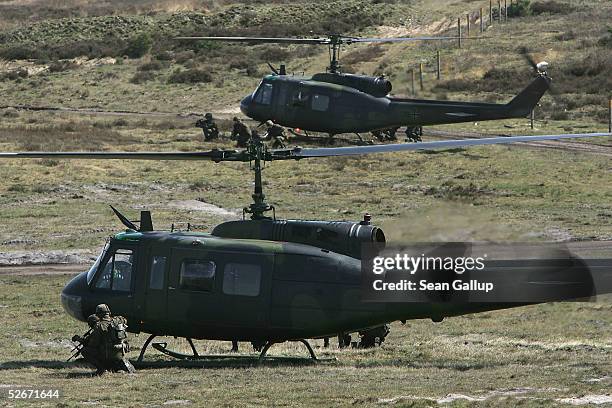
(79, 347)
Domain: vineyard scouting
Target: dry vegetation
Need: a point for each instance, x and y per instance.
(534, 356)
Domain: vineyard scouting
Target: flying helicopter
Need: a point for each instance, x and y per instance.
(261, 279)
(333, 102)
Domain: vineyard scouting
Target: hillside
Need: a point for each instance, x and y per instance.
(127, 57)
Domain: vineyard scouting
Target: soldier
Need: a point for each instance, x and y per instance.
(413, 134)
(276, 134)
(373, 337)
(240, 133)
(209, 127)
(106, 346)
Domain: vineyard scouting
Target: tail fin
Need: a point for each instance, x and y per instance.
(525, 102)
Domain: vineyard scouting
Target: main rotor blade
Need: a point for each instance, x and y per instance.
(260, 40)
(213, 155)
(401, 39)
(443, 144)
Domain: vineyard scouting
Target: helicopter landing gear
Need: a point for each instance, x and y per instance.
(175, 349)
(269, 344)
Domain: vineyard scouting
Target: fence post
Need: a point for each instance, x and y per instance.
(610, 116)
(490, 12)
(532, 117)
(459, 31)
(481, 21)
(506, 11)
(438, 64)
(412, 81)
(421, 75)
(499, 13)
(467, 20)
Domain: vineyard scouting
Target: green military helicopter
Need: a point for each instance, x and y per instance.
(333, 102)
(262, 279)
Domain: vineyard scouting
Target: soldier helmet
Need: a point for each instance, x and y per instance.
(269, 123)
(102, 309)
(208, 115)
(235, 119)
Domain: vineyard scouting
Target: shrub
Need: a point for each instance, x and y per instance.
(190, 76)
(184, 56)
(60, 66)
(142, 76)
(519, 9)
(139, 45)
(152, 66)
(551, 7)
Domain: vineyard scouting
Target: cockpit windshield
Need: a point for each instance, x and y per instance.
(94, 267)
(263, 94)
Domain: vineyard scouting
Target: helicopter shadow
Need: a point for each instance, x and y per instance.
(214, 362)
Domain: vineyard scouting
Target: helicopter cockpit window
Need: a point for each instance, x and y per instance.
(197, 274)
(320, 103)
(241, 279)
(117, 272)
(92, 271)
(264, 94)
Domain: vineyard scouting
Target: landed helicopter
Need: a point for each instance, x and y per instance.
(333, 102)
(261, 280)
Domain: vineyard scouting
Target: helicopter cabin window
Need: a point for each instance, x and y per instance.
(241, 279)
(117, 272)
(263, 95)
(197, 274)
(300, 98)
(320, 102)
(158, 267)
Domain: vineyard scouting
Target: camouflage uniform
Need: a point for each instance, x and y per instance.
(240, 133)
(276, 133)
(209, 127)
(106, 346)
(374, 336)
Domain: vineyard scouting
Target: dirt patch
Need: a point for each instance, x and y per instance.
(19, 258)
(587, 399)
(195, 205)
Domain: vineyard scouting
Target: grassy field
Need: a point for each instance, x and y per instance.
(532, 356)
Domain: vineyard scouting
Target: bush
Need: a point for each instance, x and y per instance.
(152, 66)
(139, 45)
(184, 56)
(190, 76)
(519, 9)
(551, 7)
(21, 52)
(60, 66)
(142, 76)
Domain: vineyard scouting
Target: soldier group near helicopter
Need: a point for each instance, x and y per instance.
(105, 345)
(275, 133)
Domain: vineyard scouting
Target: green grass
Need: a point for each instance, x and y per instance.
(551, 351)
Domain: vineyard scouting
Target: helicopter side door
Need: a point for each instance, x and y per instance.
(218, 294)
(152, 293)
